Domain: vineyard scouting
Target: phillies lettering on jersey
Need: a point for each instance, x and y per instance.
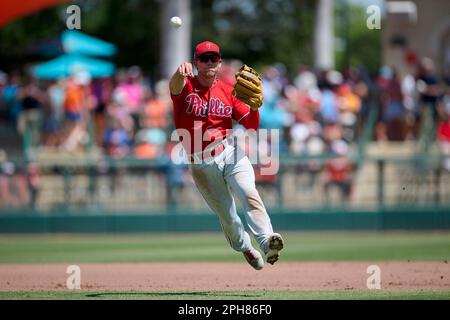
(199, 110)
(216, 106)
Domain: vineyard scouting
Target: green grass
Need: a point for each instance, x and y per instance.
(344, 246)
(320, 246)
(233, 295)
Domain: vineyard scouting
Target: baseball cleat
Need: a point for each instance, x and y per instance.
(275, 245)
(254, 258)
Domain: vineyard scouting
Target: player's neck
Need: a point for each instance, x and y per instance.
(206, 81)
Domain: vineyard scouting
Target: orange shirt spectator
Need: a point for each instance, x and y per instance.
(347, 100)
(155, 114)
(74, 99)
(146, 151)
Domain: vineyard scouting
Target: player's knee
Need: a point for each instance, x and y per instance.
(232, 226)
(254, 201)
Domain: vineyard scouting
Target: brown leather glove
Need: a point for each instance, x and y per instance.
(248, 87)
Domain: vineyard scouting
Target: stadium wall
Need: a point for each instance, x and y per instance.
(83, 222)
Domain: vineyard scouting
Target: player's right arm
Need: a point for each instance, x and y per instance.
(178, 80)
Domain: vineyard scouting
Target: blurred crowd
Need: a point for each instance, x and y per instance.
(316, 113)
(19, 183)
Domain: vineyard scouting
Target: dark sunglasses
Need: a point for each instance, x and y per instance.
(207, 57)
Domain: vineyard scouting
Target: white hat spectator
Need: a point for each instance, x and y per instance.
(334, 77)
(8, 168)
(300, 132)
(348, 118)
(340, 147)
(306, 81)
(82, 78)
(315, 146)
(428, 64)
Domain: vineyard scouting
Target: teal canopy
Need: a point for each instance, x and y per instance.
(73, 41)
(70, 63)
(77, 42)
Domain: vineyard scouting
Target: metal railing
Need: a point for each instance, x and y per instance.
(301, 183)
(129, 184)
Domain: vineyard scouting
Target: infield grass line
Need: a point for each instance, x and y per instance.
(231, 295)
(212, 247)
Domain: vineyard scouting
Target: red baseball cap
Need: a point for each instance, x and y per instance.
(206, 46)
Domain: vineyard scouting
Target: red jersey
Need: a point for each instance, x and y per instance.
(207, 113)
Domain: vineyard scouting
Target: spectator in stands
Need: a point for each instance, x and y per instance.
(302, 101)
(349, 105)
(34, 183)
(102, 89)
(410, 101)
(116, 140)
(14, 192)
(9, 97)
(428, 85)
(78, 103)
(150, 143)
(6, 196)
(20, 186)
(6, 170)
(118, 135)
(272, 114)
(305, 80)
(363, 88)
(3, 80)
(177, 172)
(443, 131)
(32, 100)
(3, 106)
(131, 92)
(54, 115)
(304, 97)
(332, 132)
(329, 108)
(445, 105)
(155, 113)
(392, 124)
(301, 135)
(339, 171)
(261, 152)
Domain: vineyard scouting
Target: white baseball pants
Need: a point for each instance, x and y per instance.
(215, 178)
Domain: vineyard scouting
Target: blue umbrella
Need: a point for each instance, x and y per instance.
(72, 41)
(70, 63)
(77, 42)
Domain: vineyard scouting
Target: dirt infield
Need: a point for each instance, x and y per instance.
(226, 276)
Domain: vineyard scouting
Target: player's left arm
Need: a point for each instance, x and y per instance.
(244, 115)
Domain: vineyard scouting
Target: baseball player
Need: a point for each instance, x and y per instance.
(204, 108)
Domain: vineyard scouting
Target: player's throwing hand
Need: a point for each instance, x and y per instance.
(185, 69)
